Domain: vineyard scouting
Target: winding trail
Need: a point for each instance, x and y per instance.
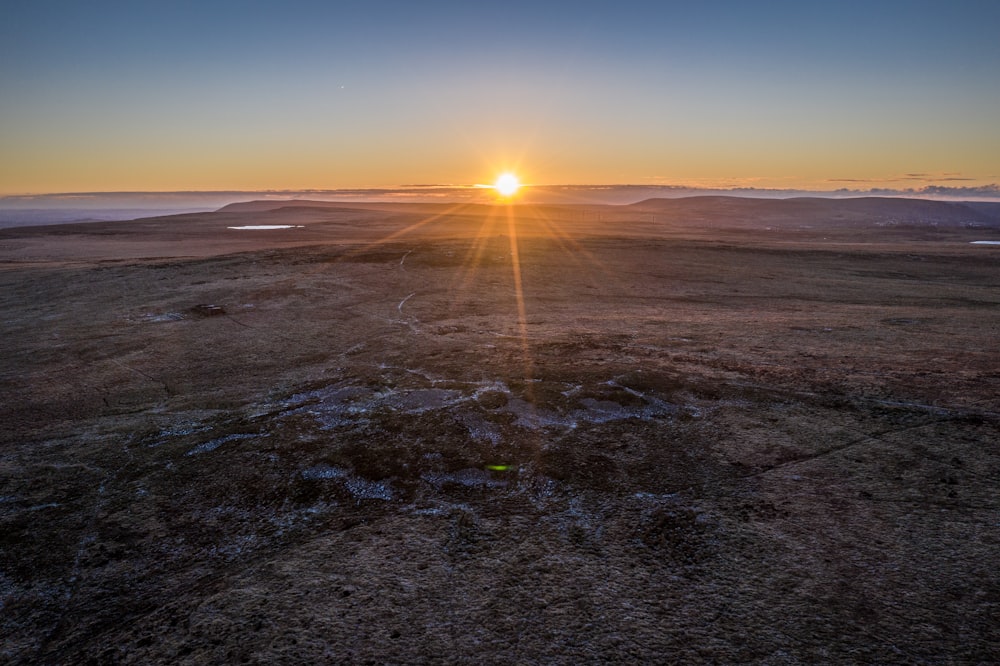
(400, 306)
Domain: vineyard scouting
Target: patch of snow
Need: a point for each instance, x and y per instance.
(324, 472)
(166, 316)
(180, 431)
(430, 512)
(481, 429)
(364, 489)
(531, 417)
(469, 477)
(213, 444)
(422, 400)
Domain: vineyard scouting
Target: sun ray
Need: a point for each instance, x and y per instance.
(522, 312)
(571, 245)
(451, 210)
(474, 255)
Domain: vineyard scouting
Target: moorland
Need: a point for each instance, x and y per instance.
(698, 430)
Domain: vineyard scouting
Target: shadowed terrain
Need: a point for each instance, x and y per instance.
(696, 430)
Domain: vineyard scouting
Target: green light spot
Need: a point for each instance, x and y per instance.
(498, 468)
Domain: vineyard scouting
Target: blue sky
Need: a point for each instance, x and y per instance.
(251, 95)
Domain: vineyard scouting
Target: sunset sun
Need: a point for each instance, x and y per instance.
(507, 184)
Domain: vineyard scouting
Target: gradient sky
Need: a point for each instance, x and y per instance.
(115, 96)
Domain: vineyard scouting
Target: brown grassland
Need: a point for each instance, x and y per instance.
(401, 434)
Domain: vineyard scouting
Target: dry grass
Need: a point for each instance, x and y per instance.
(670, 445)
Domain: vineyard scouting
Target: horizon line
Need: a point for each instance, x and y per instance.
(979, 191)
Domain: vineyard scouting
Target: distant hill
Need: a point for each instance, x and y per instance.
(989, 208)
(866, 211)
(278, 204)
(29, 217)
(706, 211)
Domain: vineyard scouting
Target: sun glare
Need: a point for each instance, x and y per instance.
(507, 184)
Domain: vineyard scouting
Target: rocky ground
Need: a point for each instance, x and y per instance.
(392, 437)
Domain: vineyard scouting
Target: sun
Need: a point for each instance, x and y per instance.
(507, 184)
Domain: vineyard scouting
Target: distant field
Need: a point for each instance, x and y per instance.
(717, 430)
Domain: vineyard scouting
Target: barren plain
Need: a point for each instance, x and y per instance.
(710, 430)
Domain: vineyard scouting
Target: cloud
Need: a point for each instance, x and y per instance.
(991, 190)
(933, 191)
(907, 177)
